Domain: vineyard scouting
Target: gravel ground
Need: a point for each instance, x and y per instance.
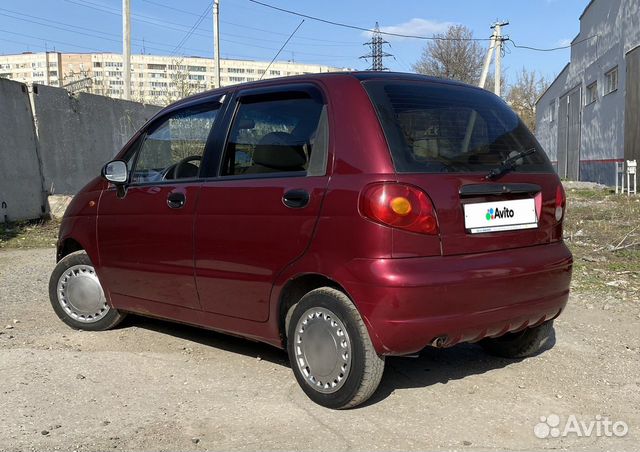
(152, 385)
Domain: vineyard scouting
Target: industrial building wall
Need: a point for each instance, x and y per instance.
(20, 178)
(608, 29)
(78, 134)
(56, 143)
(632, 107)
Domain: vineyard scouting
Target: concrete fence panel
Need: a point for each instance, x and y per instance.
(21, 188)
(78, 134)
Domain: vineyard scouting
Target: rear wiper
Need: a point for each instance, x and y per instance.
(508, 164)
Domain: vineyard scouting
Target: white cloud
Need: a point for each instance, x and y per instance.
(415, 27)
(564, 42)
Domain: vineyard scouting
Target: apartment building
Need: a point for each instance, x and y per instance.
(155, 79)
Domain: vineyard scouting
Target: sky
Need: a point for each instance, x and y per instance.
(252, 31)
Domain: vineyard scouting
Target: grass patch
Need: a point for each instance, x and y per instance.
(603, 231)
(29, 234)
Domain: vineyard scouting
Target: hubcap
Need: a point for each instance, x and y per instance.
(323, 350)
(80, 294)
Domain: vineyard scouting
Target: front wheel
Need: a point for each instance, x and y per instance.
(77, 296)
(331, 354)
(522, 344)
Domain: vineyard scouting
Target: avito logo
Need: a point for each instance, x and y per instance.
(492, 214)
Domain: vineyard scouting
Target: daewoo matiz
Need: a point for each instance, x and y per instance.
(345, 217)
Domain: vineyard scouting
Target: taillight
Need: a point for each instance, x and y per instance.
(561, 202)
(399, 206)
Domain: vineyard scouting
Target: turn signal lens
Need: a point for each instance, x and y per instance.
(400, 206)
(561, 202)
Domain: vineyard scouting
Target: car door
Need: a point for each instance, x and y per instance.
(145, 238)
(259, 213)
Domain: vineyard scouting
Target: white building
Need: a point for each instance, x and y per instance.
(588, 118)
(155, 79)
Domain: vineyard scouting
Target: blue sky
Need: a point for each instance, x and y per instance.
(254, 32)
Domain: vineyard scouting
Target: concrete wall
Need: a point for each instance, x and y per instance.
(55, 143)
(608, 29)
(21, 192)
(78, 134)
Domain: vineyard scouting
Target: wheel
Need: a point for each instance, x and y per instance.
(77, 296)
(331, 354)
(522, 344)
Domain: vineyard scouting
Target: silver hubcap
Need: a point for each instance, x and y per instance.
(323, 350)
(80, 294)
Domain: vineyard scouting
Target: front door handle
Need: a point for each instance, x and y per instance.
(176, 200)
(296, 199)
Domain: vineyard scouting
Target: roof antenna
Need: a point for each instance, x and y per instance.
(283, 46)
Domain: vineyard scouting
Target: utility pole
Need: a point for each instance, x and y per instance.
(487, 61)
(377, 53)
(216, 42)
(497, 30)
(126, 47)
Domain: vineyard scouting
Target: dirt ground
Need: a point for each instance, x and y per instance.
(153, 385)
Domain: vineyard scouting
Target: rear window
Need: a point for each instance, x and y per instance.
(437, 128)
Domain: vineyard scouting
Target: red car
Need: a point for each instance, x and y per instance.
(345, 217)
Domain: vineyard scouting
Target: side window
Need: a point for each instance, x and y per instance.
(174, 149)
(277, 135)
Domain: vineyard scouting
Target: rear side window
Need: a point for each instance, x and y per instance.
(273, 134)
(436, 128)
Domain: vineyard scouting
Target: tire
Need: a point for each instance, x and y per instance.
(522, 344)
(77, 296)
(330, 351)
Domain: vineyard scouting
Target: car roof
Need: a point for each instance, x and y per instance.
(325, 76)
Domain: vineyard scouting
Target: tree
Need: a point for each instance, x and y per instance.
(524, 93)
(453, 55)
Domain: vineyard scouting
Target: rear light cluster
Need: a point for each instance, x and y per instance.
(400, 206)
(561, 202)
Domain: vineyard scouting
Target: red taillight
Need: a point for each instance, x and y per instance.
(561, 202)
(399, 206)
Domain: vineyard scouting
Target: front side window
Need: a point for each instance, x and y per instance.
(174, 149)
(438, 128)
(611, 78)
(277, 135)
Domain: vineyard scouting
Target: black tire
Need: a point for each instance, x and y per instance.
(107, 318)
(525, 343)
(365, 367)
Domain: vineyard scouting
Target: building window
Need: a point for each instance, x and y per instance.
(552, 111)
(274, 72)
(592, 93)
(611, 80)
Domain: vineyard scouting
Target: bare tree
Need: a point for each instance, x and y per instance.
(453, 55)
(524, 93)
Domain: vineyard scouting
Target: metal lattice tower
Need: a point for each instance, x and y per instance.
(376, 53)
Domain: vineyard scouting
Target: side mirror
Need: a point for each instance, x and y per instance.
(117, 173)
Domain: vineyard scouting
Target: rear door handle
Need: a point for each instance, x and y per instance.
(296, 199)
(176, 200)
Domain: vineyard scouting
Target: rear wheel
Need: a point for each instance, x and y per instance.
(331, 354)
(77, 296)
(522, 344)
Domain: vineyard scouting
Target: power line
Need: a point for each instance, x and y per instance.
(369, 30)
(538, 49)
(193, 28)
(283, 46)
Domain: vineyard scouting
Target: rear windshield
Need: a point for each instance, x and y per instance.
(436, 127)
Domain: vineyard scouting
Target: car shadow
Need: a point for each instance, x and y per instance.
(209, 338)
(431, 366)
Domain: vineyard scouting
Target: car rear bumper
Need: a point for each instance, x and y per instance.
(411, 303)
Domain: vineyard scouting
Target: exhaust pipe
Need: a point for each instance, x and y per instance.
(439, 342)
